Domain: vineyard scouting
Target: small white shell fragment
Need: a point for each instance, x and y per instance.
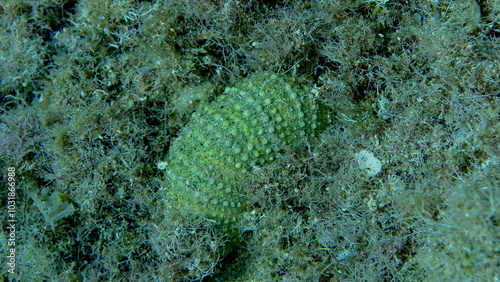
(368, 163)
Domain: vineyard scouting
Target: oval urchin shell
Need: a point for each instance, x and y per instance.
(246, 126)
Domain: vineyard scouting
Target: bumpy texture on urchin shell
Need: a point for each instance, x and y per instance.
(246, 126)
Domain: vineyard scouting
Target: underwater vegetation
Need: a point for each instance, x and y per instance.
(245, 140)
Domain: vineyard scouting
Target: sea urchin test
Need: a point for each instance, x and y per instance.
(246, 126)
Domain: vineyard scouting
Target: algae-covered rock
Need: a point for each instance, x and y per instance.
(248, 125)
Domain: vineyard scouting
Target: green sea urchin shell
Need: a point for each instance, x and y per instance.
(246, 126)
